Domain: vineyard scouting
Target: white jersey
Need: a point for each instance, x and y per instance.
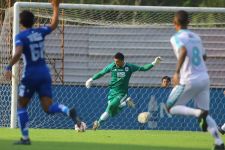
(194, 67)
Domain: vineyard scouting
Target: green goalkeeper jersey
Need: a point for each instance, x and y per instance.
(120, 76)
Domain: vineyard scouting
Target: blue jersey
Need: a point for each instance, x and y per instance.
(36, 76)
(32, 41)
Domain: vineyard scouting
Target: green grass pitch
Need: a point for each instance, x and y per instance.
(54, 139)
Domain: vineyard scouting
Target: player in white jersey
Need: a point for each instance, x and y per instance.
(222, 128)
(191, 80)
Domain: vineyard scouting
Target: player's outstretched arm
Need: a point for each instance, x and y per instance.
(15, 59)
(147, 67)
(55, 16)
(98, 75)
(182, 55)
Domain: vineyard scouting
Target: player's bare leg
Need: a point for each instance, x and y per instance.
(52, 108)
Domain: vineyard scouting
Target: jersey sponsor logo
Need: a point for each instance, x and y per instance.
(120, 70)
(35, 37)
(121, 74)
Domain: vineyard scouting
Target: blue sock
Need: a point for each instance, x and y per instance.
(23, 121)
(58, 108)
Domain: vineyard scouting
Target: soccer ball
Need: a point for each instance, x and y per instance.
(82, 127)
(143, 117)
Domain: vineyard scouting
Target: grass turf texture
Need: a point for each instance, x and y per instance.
(54, 139)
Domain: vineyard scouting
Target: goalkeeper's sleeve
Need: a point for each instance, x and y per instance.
(146, 67)
(149, 66)
(101, 73)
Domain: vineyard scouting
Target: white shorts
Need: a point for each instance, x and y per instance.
(197, 90)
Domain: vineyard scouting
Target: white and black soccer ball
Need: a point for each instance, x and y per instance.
(82, 127)
(143, 117)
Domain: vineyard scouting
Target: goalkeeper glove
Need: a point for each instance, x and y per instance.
(157, 60)
(88, 83)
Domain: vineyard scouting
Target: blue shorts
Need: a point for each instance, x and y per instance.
(41, 84)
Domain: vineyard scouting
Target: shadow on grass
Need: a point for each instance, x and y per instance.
(37, 145)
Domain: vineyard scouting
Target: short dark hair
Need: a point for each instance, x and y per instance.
(167, 78)
(182, 18)
(26, 19)
(119, 56)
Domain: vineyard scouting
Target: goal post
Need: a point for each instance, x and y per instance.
(93, 34)
(15, 69)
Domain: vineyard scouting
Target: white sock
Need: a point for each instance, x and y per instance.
(104, 116)
(212, 129)
(223, 127)
(184, 110)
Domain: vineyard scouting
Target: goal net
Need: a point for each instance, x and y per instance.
(86, 40)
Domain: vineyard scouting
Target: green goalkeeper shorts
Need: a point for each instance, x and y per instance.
(114, 102)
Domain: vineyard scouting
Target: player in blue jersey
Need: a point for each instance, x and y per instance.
(36, 75)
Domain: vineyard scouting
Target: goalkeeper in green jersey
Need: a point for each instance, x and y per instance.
(120, 76)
